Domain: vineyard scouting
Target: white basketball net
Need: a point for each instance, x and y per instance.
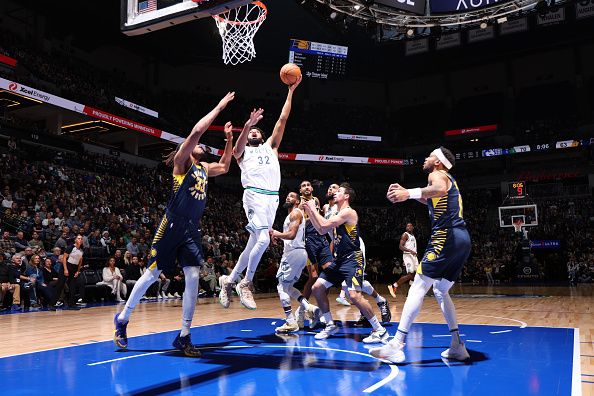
(237, 28)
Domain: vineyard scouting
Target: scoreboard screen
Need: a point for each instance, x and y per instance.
(517, 189)
(319, 60)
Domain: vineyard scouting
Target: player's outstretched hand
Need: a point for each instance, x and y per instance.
(255, 117)
(228, 131)
(226, 99)
(296, 84)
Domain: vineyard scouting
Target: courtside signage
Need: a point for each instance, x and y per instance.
(366, 138)
(137, 107)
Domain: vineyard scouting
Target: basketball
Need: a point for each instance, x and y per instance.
(290, 73)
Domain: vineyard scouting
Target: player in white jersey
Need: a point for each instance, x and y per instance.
(330, 209)
(292, 264)
(408, 245)
(260, 178)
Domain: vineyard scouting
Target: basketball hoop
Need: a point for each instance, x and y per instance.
(518, 223)
(237, 28)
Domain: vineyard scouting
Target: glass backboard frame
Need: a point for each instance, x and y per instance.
(133, 23)
(507, 213)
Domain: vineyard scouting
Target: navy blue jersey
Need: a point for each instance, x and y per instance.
(188, 197)
(446, 211)
(346, 240)
(309, 227)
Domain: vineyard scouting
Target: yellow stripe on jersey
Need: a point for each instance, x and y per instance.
(440, 205)
(161, 230)
(355, 281)
(351, 229)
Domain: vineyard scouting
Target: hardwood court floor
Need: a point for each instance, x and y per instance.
(535, 306)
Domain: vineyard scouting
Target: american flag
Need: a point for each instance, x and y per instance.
(147, 6)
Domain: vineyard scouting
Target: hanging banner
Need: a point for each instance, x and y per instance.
(584, 9)
(414, 47)
(552, 18)
(449, 41)
(514, 26)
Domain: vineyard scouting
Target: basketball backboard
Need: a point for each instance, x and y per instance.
(144, 16)
(525, 214)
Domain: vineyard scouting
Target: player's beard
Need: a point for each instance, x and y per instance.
(254, 142)
(429, 168)
(287, 205)
(329, 197)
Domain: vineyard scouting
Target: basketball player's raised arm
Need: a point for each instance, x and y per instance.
(222, 167)
(255, 117)
(279, 127)
(295, 220)
(323, 225)
(180, 160)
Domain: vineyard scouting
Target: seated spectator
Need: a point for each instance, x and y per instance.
(208, 278)
(20, 243)
(112, 277)
(105, 241)
(26, 255)
(36, 243)
(119, 258)
(8, 286)
(7, 244)
(17, 277)
(143, 247)
(133, 272)
(38, 286)
(132, 247)
(164, 283)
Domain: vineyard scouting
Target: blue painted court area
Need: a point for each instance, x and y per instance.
(245, 358)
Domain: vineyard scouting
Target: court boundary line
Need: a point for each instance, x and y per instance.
(576, 379)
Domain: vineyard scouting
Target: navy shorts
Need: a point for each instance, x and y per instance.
(178, 240)
(446, 253)
(349, 269)
(318, 249)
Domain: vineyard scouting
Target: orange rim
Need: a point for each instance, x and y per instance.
(260, 19)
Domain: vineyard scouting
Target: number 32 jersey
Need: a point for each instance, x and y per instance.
(260, 168)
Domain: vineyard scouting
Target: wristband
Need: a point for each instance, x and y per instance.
(414, 193)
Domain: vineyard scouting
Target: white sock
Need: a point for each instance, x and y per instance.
(192, 275)
(380, 299)
(262, 242)
(375, 323)
(342, 294)
(243, 260)
(328, 318)
(148, 278)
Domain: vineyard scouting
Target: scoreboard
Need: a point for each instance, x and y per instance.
(517, 189)
(319, 60)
